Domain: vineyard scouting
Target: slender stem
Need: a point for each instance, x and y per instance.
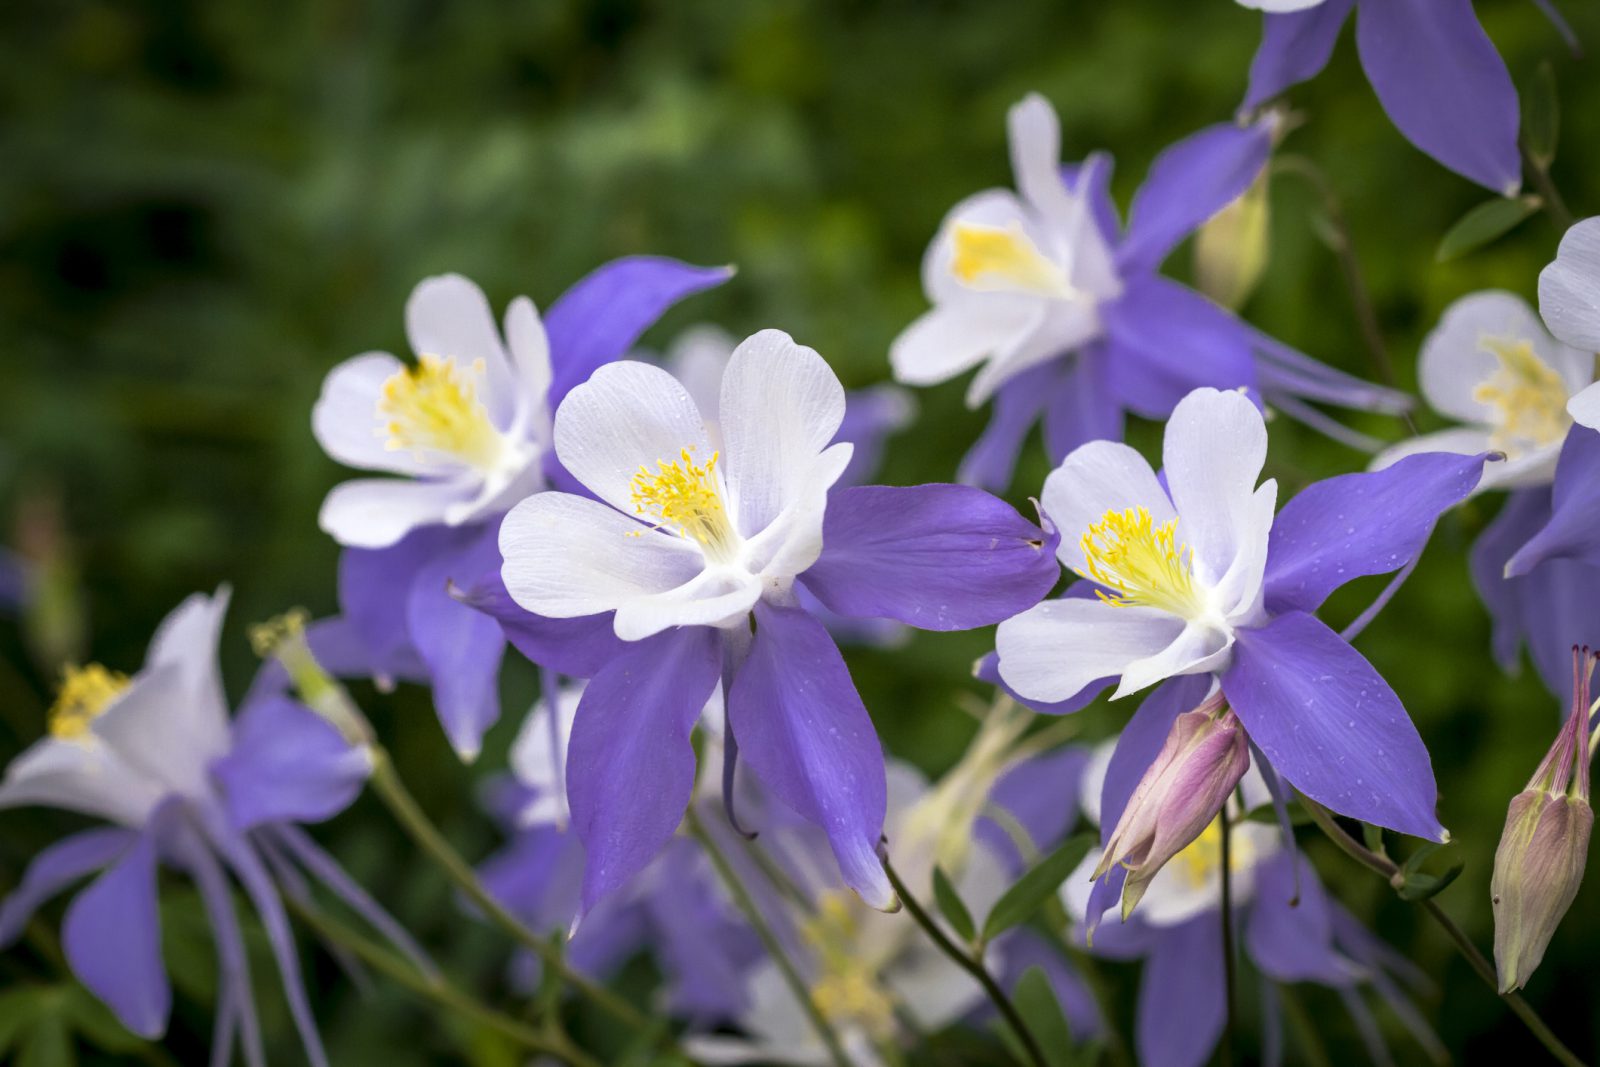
(747, 905)
(1229, 978)
(409, 814)
(1385, 867)
(1316, 1052)
(969, 963)
(436, 989)
(1554, 205)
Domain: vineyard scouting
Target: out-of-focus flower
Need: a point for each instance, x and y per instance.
(468, 428)
(687, 542)
(1435, 71)
(1545, 844)
(156, 755)
(1066, 314)
(1195, 576)
(1230, 251)
(1289, 928)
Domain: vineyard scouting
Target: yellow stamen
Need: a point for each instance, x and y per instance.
(85, 692)
(995, 259)
(433, 408)
(1141, 563)
(1202, 857)
(682, 496)
(847, 990)
(1530, 395)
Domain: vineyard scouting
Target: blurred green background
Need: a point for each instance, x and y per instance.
(204, 207)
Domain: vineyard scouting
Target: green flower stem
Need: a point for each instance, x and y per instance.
(1549, 196)
(969, 963)
(1229, 964)
(1386, 868)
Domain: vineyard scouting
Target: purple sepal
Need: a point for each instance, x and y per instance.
(577, 648)
(1290, 928)
(870, 417)
(112, 938)
(538, 876)
(1572, 531)
(937, 557)
(806, 735)
(1352, 525)
(1165, 340)
(1018, 404)
(1294, 47)
(1181, 1001)
(1041, 794)
(1283, 371)
(1080, 404)
(1331, 725)
(704, 950)
(1092, 178)
(1021, 949)
(57, 867)
(287, 764)
(630, 766)
(1189, 182)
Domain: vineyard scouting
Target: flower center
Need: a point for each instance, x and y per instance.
(682, 496)
(847, 990)
(433, 408)
(1530, 396)
(1141, 563)
(1202, 857)
(994, 259)
(85, 692)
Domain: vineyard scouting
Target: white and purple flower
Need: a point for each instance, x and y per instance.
(684, 544)
(1065, 314)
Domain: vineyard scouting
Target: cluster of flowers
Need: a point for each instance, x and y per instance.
(681, 543)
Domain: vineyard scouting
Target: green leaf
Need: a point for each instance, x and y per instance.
(950, 906)
(1541, 116)
(1485, 223)
(1036, 1002)
(20, 1007)
(47, 1045)
(95, 1022)
(1422, 886)
(1372, 837)
(1041, 881)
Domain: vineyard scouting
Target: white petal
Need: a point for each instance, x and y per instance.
(698, 358)
(626, 416)
(1279, 6)
(1569, 288)
(82, 776)
(189, 639)
(793, 541)
(715, 597)
(997, 208)
(780, 406)
(377, 512)
(1034, 133)
(1462, 440)
(957, 335)
(1054, 649)
(345, 419)
(1585, 408)
(530, 356)
(1215, 445)
(145, 726)
(448, 316)
(1455, 362)
(539, 756)
(1198, 649)
(567, 556)
(1095, 478)
(1062, 326)
(1239, 593)
(933, 987)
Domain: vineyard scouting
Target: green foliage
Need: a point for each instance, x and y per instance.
(1485, 223)
(951, 907)
(1037, 885)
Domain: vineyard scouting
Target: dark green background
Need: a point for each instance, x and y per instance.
(204, 207)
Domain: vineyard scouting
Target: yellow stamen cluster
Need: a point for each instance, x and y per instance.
(433, 408)
(847, 990)
(1202, 857)
(1002, 259)
(1140, 562)
(1530, 395)
(85, 692)
(682, 496)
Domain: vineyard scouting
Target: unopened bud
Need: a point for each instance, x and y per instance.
(1205, 755)
(1539, 864)
(1230, 251)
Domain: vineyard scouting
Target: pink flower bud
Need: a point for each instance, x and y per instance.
(1539, 864)
(1203, 758)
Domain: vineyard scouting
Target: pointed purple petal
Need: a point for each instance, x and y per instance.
(1294, 47)
(1331, 725)
(287, 764)
(1558, 608)
(1041, 794)
(703, 949)
(538, 875)
(1080, 404)
(54, 869)
(871, 416)
(808, 738)
(1181, 1002)
(373, 587)
(112, 939)
(938, 557)
(1444, 86)
(601, 317)
(1352, 525)
(577, 648)
(630, 767)
(1571, 532)
(1018, 404)
(1287, 372)
(1521, 516)
(1290, 937)
(234, 985)
(1093, 178)
(462, 648)
(1189, 182)
(1164, 340)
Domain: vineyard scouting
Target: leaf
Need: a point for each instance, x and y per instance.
(1372, 836)
(1420, 886)
(1541, 116)
(20, 1007)
(1035, 1000)
(1041, 881)
(47, 1045)
(95, 1022)
(950, 906)
(1485, 223)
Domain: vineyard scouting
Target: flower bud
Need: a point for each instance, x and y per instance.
(1200, 763)
(1230, 250)
(1539, 864)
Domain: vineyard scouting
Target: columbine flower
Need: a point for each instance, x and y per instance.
(686, 542)
(156, 755)
(468, 427)
(1197, 577)
(1066, 314)
(1545, 844)
(1435, 71)
(1288, 927)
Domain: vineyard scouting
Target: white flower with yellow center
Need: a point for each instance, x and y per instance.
(466, 425)
(1569, 302)
(1014, 278)
(683, 533)
(1177, 568)
(1491, 364)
